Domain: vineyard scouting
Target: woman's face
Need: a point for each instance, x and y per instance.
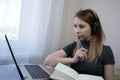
(82, 29)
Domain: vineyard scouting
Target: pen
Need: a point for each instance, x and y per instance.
(79, 41)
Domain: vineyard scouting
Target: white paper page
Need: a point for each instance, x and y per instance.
(89, 77)
(67, 70)
(58, 75)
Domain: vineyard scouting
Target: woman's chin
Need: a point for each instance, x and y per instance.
(81, 38)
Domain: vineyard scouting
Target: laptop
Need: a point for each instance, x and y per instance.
(29, 72)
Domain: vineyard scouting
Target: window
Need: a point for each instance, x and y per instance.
(10, 11)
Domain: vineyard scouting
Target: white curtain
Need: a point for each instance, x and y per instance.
(43, 25)
(40, 28)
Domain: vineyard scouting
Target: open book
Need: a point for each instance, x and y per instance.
(64, 72)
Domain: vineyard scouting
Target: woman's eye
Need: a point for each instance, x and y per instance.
(81, 26)
(75, 26)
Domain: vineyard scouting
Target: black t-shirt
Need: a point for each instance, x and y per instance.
(85, 67)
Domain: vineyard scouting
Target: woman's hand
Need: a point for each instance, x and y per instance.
(80, 55)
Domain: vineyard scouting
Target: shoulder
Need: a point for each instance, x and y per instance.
(107, 55)
(69, 48)
(107, 49)
(71, 45)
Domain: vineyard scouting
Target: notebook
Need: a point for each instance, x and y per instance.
(29, 72)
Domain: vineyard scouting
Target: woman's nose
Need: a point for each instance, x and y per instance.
(77, 29)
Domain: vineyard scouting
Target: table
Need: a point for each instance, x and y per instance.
(9, 72)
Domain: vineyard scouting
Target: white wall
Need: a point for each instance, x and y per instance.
(108, 11)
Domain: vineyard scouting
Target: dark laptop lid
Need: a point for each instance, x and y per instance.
(22, 77)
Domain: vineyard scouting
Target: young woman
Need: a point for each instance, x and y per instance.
(87, 55)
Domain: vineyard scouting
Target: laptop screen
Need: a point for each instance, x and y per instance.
(22, 77)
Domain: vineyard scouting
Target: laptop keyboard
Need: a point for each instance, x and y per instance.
(36, 72)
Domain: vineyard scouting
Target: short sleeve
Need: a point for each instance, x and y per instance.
(108, 57)
(69, 49)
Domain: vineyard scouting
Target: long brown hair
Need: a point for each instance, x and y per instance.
(97, 34)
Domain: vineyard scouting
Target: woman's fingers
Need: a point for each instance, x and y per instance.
(82, 54)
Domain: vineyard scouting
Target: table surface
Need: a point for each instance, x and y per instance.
(9, 72)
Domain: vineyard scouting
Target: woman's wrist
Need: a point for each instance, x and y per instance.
(73, 60)
(69, 60)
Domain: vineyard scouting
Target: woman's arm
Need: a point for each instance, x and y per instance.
(109, 72)
(56, 57)
(60, 56)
